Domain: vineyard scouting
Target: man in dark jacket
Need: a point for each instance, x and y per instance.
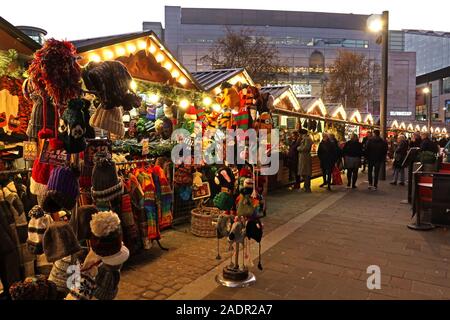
(352, 159)
(399, 157)
(364, 146)
(293, 160)
(376, 152)
(328, 156)
(416, 141)
(428, 145)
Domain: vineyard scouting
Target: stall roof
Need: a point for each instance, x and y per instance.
(280, 93)
(335, 109)
(354, 114)
(367, 118)
(133, 50)
(13, 38)
(211, 79)
(313, 103)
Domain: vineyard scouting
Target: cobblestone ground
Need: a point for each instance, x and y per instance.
(157, 274)
(327, 258)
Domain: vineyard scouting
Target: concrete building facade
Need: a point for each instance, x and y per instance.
(307, 42)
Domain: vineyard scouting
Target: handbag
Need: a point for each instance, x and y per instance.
(336, 175)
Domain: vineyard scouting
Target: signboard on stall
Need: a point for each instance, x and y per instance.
(29, 150)
(53, 157)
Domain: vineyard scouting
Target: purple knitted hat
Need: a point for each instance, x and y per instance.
(62, 190)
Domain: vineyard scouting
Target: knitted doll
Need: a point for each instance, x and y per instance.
(37, 226)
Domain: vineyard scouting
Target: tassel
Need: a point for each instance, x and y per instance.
(259, 262)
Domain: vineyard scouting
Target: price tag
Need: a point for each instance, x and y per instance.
(94, 146)
(29, 150)
(145, 147)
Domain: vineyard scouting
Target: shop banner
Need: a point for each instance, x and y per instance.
(94, 146)
(53, 157)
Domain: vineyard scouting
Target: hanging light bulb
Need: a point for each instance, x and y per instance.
(159, 57)
(153, 98)
(131, 48)
(152, 49)
(168, 65)
(207, 101)
(133, 85)
(184, 104)
(94, 57)
(142, 45)
(120, 51)
(108, 54)
(182, 80)
(175, 74)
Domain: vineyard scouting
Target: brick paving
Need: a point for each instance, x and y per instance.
(157, 274)
(327, 258)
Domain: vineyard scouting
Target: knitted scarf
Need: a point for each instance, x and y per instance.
(164, 195)
(148, 186)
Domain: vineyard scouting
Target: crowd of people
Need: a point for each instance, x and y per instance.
(371, 153)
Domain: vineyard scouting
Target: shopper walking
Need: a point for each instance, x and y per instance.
(364, 146)
(327, 154)
(293, 160)
(399, 156)
(416, 140)
(376, 155)
(304, 159)
(353, 151)
(427, 144)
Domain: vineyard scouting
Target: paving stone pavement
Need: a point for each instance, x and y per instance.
(157, 274)
(327, 258)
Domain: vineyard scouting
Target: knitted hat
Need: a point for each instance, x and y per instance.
(242, 119)
(39, 177)
(34, 288)
(191, 113)
(106, 185)
(37, 120)
(248, 183)
(223, 226)
(62, 190)
(37, 226)
(59, 274)
(60, 241)
(74, 127)
(223, 201)
(85, 290)
(106, 240)
(245, 172)
(225, 178)
(80, 221)
(107, 282)
(109, 120)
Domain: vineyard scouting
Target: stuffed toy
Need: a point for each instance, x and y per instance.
(264, 122)
(73, 127)
(190, 117)
(211, 121)
(230, 97)
(225, 178)
(197, 179)
(225, 120)
(254, 230)
(244, 205)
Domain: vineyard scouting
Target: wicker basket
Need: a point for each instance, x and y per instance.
(202, 221)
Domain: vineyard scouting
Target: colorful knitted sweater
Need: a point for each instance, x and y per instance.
(164, 197)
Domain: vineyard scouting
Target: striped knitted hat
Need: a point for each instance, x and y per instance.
(106, 185)
(62, 190)
(37, 226)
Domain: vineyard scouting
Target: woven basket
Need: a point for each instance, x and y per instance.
(202, 221)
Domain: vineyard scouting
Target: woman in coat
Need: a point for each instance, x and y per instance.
(304, 159)
(328, 156)
(399, 156)
(353, 151)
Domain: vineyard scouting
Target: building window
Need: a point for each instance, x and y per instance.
(421, 113)
(446, 85)
(447, 111)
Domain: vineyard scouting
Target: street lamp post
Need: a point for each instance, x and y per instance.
(427, 92)
(380, 24)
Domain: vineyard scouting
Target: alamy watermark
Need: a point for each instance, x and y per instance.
(374, 280)
(235, 146)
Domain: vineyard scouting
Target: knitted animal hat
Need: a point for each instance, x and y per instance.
(191, 113)
(60, 241)
(34, 288)
(225, 178)
(106, 240)
(109, 120)
(106, 185)
(37, 226)
(62, 190)
(224, 201)
(73, 127)
(254, 230)
(237, 232)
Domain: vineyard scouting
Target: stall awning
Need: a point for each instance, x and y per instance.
(212, 79)
(354, 116)
(13, 38)
(313, 106)
(284, 97)
(336, 110)
(144, 55)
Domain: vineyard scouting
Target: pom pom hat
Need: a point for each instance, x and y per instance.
(60, 241)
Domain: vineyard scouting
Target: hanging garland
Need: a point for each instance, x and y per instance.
(14, 87)
(9, 64)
